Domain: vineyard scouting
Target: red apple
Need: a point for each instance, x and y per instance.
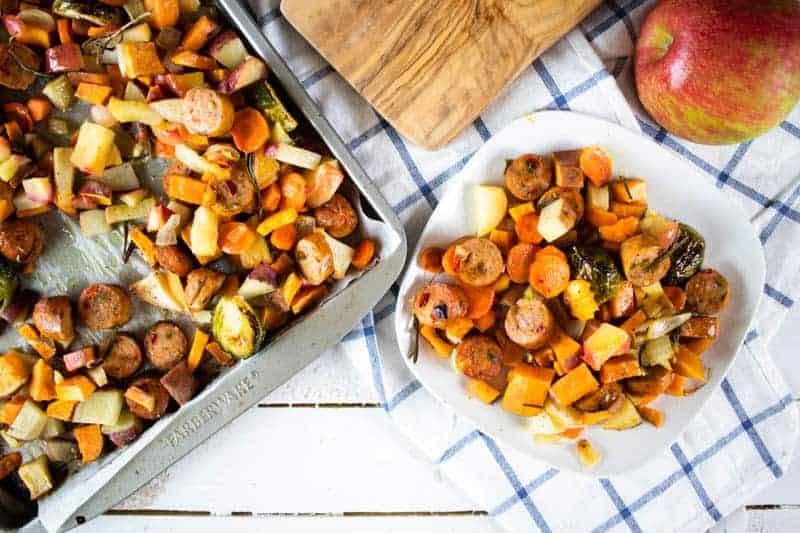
(719, 71)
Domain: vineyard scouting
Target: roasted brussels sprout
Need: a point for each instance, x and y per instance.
(267, 100)
(236, 327)
(597, 267)
(687, 255)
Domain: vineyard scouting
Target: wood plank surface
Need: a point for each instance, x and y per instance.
(430, 66)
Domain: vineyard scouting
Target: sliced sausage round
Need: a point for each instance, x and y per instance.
(103, 306)
(529, 323)
(315, 258)
(201, 285)
(528, 176)
(643, 260)
(479, 357)
(655, 381)
(479, 262)
(608, 397)
(437, 302)
(572, 200)
(21, 240)
(337, 217)
(207, 112)
(234, 195)
(707, 292)
(122, 356)
(12, 75)
(174, 259)
(53, 318)
(152, 386)
(165, 345)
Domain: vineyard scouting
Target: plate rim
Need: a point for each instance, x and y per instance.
(407, 278)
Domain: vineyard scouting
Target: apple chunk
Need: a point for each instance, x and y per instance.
(489, 204)
(228, 49)
(604, 343)
(92, 149)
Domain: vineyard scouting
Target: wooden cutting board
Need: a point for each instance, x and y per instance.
(431, 66)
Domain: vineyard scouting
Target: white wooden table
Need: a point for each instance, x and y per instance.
(320, 455)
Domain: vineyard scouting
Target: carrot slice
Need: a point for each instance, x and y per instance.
(250, 130)
(480, 300)
(64, 31)
(90, 441)
(39, 107)
(549, 273)
(519, 261)
(363, 254)
(284, 237)
(236, 237)
(600, 217)
(430, 259)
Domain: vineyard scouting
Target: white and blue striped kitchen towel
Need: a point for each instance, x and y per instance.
(745, 437)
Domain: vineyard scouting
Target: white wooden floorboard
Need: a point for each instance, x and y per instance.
(288, 460)
(291, 524)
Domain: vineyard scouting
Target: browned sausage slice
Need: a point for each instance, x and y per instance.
(153, 387)
(478, 357)
(478, 261)
(21, 240)
(643, 260)
(12, 75)
(207, 112)
(201, 285)
(165, 345)
(608, 396)
(436, 303)
(103, 306)
(707, 292)
(529, 323)
(174, 259)
(337, 217)
(53, 318)
(701, 327)
(528, 176)
(122, 356)
(234, 195)
(654, 382)
(314, 257)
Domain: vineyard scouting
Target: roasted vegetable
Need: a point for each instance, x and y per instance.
(687, 255)
(597, 267)
(90, 11)
(267, 100)
(8, 283)
(236, 327)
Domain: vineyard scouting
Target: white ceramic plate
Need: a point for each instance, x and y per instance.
(675, 189)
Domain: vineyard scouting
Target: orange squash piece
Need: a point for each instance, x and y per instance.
(163, 13)
(600, 217)
(441, 346)
(42, 387)
(485, 322)
(199, 343)
(688, 364)
(61, 409)
(698, 346)
(184, 188)
(577, 383)
(11, 409)
(480, 300)
(676, 387)
(483, 391)
(527, 389)
(620, 230)
(90, 441)
(633, 209)
(654, 416)
(620, 367)
(503, 239)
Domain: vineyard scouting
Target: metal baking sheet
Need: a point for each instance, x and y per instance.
(70, 262)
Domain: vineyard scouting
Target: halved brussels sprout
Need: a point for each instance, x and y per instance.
(236, 327)
(597, 267)
(687, 254)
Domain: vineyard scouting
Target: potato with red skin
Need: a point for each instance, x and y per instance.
(103, 306)
(707, 292)
(97, 192)
(529, 323)
(436, 303)
(478, 356)
(165, 344)
(180, 383)
(63, 58)
(53, 318)
(21, 240)
(121, 355)
(202, 284)
(174, 259)
(528, 176)
(573, 200)
(245, 73)
(337, 217)
(150, 385)
(207, 112)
